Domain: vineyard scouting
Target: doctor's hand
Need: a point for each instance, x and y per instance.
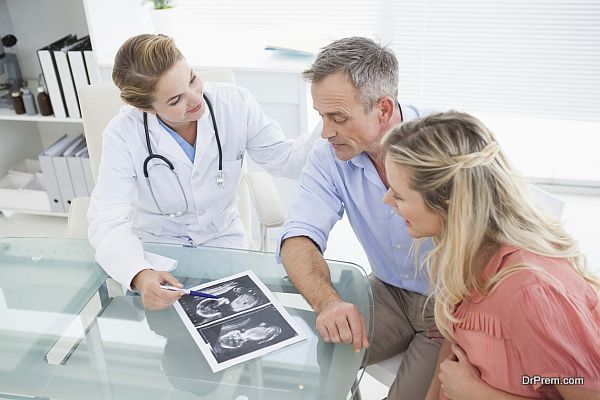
(342, 322)
(148, 282)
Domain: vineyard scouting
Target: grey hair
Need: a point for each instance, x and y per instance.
(371, 68)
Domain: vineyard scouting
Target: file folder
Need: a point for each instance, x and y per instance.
(77, 64)
(87, 171)
(50, 180)
(92, 67)
(66, 82)
(51, 75)
(67, 79)
(63, 176)
(76, 171)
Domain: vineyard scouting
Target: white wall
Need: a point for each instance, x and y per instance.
(37, 23)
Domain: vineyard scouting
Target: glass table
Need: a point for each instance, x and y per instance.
(69, 332)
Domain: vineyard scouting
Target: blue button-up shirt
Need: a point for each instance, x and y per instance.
(329, 187)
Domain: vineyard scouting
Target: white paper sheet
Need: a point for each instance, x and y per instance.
(246, 322)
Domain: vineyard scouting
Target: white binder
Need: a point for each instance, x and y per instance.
(77, 64)
(66, 81)
(87, 171)
(51, 77)
(76, 169)
(92, 67)
(63, 176)
(50, 180)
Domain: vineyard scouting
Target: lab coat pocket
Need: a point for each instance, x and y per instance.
(228, 195)
(231, 174)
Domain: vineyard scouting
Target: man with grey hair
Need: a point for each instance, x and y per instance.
(354, 89)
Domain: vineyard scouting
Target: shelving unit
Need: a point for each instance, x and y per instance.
(35, 24)
(9, 115)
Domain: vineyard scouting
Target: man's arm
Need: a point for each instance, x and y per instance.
(337, 320)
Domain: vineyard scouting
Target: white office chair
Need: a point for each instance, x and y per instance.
(100, 103)
(385, 371)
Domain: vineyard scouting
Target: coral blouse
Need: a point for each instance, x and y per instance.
(529, 327)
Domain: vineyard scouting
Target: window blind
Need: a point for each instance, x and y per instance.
(526, 57)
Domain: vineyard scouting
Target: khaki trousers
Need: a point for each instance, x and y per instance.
(401, 326)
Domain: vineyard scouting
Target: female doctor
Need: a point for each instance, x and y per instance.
(171, 164)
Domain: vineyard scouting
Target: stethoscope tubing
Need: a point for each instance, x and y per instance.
(151, 156)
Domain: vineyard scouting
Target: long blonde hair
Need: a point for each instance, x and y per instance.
(463, 175)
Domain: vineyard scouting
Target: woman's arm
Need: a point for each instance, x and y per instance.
(567, 392)
(268, 146)
(460, 380)
(118, 250)
(577, 393)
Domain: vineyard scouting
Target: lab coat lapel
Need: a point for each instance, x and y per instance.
(206, 143)
(165, 145)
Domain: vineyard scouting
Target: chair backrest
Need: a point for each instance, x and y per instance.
(101, 102)
(546, 201)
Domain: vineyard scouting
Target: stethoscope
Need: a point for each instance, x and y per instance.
(220, 176)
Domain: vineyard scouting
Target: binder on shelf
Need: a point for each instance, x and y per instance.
(50, 180)
(77, 64)
(61, 168)
(51, 75)
(87, 171)
(92, 67)
(67, 79)
(76, 171)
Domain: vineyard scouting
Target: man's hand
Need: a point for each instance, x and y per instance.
(148, 282)
(341, 322)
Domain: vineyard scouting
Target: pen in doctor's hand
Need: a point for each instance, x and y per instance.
(188, 291)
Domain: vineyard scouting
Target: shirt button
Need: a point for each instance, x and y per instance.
(398, 246)
(405, 276)
(201, 212)
(392, 212)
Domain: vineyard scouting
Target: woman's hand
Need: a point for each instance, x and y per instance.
(148, 282)
(459, 379)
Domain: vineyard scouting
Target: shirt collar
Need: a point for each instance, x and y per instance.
(497, 261)
(361, 159)
(493, 266)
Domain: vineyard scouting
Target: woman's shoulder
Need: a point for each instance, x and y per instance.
(546, 276)
(524, 267)
(127, 118)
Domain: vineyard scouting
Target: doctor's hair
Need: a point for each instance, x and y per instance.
(456, 164)
(139, 64)
(371, 68)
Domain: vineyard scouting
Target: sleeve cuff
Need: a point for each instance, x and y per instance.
(291, 231)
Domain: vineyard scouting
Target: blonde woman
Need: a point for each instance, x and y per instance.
(171, 164)
(513, 297)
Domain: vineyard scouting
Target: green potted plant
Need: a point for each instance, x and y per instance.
(164, 16)
(160, 4)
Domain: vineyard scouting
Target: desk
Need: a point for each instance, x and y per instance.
(68, 337)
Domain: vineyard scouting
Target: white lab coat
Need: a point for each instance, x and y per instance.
(122, 212)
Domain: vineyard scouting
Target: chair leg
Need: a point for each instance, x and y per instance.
(355, 391)
(264, 238)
